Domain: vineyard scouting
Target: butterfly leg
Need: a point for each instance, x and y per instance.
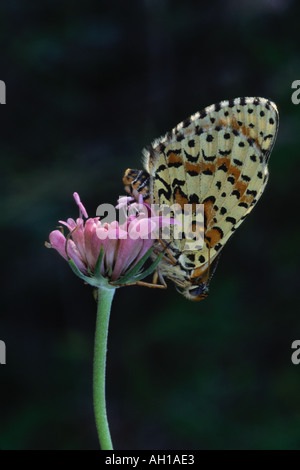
(158, 276)
(170, 259)
(179, 283)
(147, 284)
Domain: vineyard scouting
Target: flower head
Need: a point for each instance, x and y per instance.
(110, 254)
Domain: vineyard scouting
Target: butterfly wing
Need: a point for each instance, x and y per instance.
(217, 157)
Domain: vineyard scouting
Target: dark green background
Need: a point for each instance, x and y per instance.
(89, 84)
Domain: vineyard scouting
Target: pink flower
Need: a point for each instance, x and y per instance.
(101, 252)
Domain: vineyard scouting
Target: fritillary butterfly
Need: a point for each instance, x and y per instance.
(218, 157)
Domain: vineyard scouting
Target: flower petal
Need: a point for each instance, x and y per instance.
(92, 243)
(128, 252)
(80, 205)
(58, 242)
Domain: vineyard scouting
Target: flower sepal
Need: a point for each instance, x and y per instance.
(134, 275)
(94, 279)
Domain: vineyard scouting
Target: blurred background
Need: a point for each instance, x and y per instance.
(89, 84)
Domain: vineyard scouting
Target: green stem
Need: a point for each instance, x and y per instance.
(105, 298)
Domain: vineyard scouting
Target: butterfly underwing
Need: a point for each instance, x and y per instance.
(218, 157)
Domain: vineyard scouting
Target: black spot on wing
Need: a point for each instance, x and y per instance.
(177, 182)
(199, 130)
(194, 199)
(175, 164)
(191, 158)
(224, 153)
(223, 168)
(267, 137)
(217, 247)
(246, 178)
(232, 220)
(176, 151)
(208, 158)
(166, 191)
(161, 168)
(236, 193)
(218, 229)
(210, 199)
(251, 193)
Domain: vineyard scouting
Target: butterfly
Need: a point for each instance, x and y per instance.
(218, 157)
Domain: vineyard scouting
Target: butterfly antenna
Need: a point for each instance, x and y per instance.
(208, 270)
(207, 273)
(216, 262)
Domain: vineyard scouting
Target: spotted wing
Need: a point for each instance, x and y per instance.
(218, 157)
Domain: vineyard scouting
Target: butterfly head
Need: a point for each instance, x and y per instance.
(198, 292)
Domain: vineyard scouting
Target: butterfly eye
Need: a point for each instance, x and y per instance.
(199, 292)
